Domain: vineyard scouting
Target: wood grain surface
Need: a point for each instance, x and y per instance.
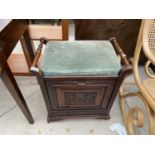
(125, 30)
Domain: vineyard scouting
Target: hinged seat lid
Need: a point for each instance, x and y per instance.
(80, 58)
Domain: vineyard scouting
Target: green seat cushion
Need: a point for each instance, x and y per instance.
(80, 58)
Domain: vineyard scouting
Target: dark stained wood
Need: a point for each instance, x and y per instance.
(101, 86)
(4, 23)
(13, 88)
(11, 34)
(125, 30)
(44, 91)
(38, 52)
(9, 37)
(124, 72)
(64, 29)
(119, 50)
(27, 47)
(102, 91)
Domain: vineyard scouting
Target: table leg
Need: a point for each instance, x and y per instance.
(28, 46)
(11, 84)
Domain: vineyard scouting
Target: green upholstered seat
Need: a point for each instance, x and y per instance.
(80, 58)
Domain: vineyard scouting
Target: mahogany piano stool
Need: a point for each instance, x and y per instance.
(80, 78)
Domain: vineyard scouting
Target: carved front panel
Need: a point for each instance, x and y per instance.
(73, 94)
(80, 98)
(77, 98)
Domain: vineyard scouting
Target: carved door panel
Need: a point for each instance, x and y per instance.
(90, 94)
(79, 97)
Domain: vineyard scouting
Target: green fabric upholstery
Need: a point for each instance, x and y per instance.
(80, 58)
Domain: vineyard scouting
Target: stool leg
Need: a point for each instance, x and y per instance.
(11, 84)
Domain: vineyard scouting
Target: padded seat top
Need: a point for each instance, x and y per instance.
(80, 58)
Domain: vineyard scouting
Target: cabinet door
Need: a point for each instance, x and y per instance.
(80, 94)
(79, 97)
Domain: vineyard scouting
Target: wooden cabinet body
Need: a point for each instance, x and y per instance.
(80, 92)
(79, 96)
